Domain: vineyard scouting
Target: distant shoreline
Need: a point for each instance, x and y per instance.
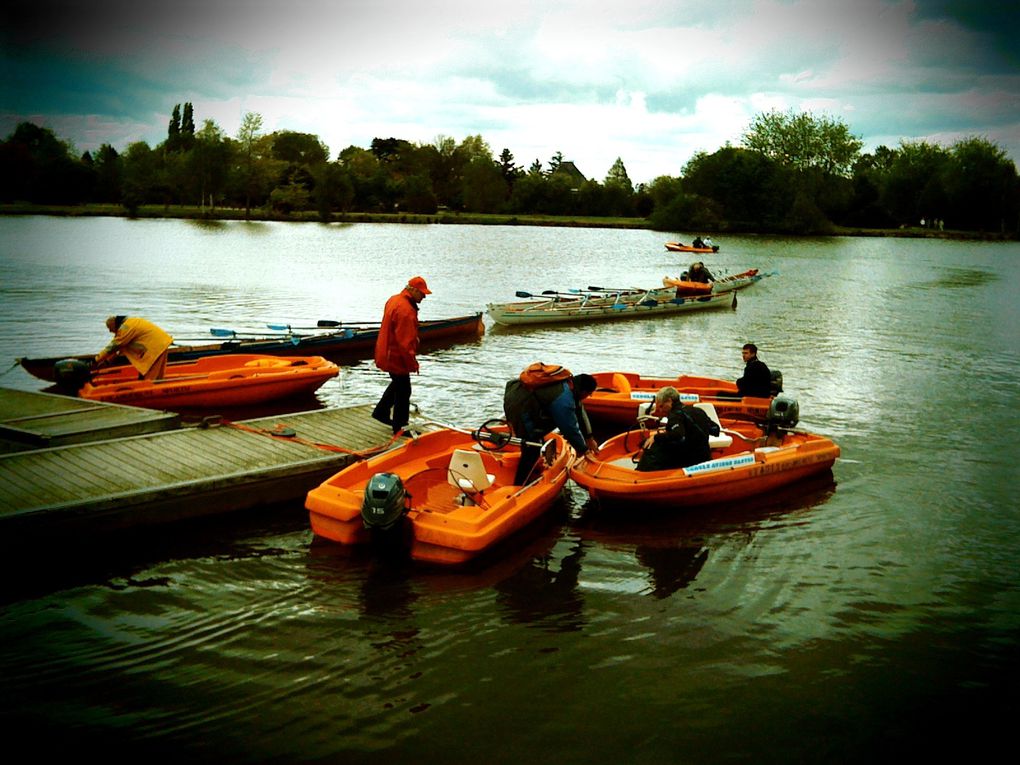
(233, 214)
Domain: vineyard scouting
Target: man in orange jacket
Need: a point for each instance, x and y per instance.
(396, 351)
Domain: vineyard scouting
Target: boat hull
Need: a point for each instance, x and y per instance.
(677, 247)
(344, 343)
(619, 396)
(522, 314)
(723, 284)
(229, 381)
(439, 529)
(737, 472)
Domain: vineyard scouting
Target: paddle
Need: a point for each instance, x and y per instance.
(546, 295)
(625, 290)
(231, 334)
(334, 323)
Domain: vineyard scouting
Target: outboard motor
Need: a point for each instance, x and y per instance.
(784, 412)
(72, 373)
(385, 502)
(775, 382)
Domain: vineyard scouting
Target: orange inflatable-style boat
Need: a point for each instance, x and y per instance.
(441, 493)
(213, 381)
(615, 404)
(747, 459)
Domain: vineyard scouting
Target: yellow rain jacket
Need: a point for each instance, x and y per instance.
(140, 341)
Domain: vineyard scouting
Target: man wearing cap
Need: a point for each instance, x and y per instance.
(396, 352)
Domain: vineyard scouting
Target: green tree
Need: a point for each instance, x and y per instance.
(209, 163)
(299, 148)
(981, 186)
(617, 176)
(913, 185)
(804, 141)
(109, 172)
(35, 166)
(248, 136)
(485, 188)
(334, 190)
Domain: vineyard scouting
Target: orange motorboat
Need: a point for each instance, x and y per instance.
(681, 247)
(615, 404)
(443, 494)
(213, 381)
(747, 459)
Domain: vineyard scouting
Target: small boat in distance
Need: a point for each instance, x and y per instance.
(333, 339)
(747, 459)
(445, 495)
(213, 381)
(681, 247)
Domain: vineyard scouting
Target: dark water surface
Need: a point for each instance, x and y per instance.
(873, 615)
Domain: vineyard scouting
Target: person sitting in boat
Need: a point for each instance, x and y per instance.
(698, 273)
(683, 440)
(698, 243)
(141, 342)
(533, 413)
(707, 242)
(757, 379)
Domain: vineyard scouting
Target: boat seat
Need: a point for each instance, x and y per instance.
(467, 472)
(621, 383)
(722, 440)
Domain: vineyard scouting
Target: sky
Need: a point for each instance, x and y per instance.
(650, 83)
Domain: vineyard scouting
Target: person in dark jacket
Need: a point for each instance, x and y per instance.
(396, 352)
(534, 414)
(698, 273)
(757, 379)
(683, 440)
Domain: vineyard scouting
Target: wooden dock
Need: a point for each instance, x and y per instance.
(41, 420)
(158, 478)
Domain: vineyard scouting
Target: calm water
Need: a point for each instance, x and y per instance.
(870, 616)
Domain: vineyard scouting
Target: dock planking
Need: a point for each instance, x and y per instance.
(38, 420)
(158, 478)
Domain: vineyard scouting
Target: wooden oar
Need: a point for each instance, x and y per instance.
(233, 335)
(624, 290)
(334, 323)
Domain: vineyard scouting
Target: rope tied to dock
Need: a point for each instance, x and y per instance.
(283, 431)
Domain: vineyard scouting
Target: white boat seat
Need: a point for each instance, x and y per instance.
(722, 440)
(467, 472)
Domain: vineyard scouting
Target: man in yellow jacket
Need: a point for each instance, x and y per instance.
(140, 341)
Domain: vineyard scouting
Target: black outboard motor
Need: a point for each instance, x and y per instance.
(72, 373)
(775, 382)
(784, 412)
(385, 502)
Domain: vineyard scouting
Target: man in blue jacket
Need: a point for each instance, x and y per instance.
(534, 413)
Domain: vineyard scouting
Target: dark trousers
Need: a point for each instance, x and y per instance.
(529, 457)
(395, 405)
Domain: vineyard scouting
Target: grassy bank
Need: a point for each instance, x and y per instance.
(233, 213)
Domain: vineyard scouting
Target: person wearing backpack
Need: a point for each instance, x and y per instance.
(541, 399)
(683, 440)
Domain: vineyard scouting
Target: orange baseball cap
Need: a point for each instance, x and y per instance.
(419, 284)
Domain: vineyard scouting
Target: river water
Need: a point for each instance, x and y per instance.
(868, 616)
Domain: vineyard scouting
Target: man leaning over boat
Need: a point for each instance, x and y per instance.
(141, 342)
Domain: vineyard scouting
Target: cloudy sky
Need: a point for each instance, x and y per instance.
(649, 82)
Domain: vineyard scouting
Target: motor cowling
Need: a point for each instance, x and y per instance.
(385, 502)
(72, 373)
(784, 412)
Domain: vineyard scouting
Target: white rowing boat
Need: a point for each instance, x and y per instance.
(654, 302)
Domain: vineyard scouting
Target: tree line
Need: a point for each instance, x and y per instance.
(792, 173)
